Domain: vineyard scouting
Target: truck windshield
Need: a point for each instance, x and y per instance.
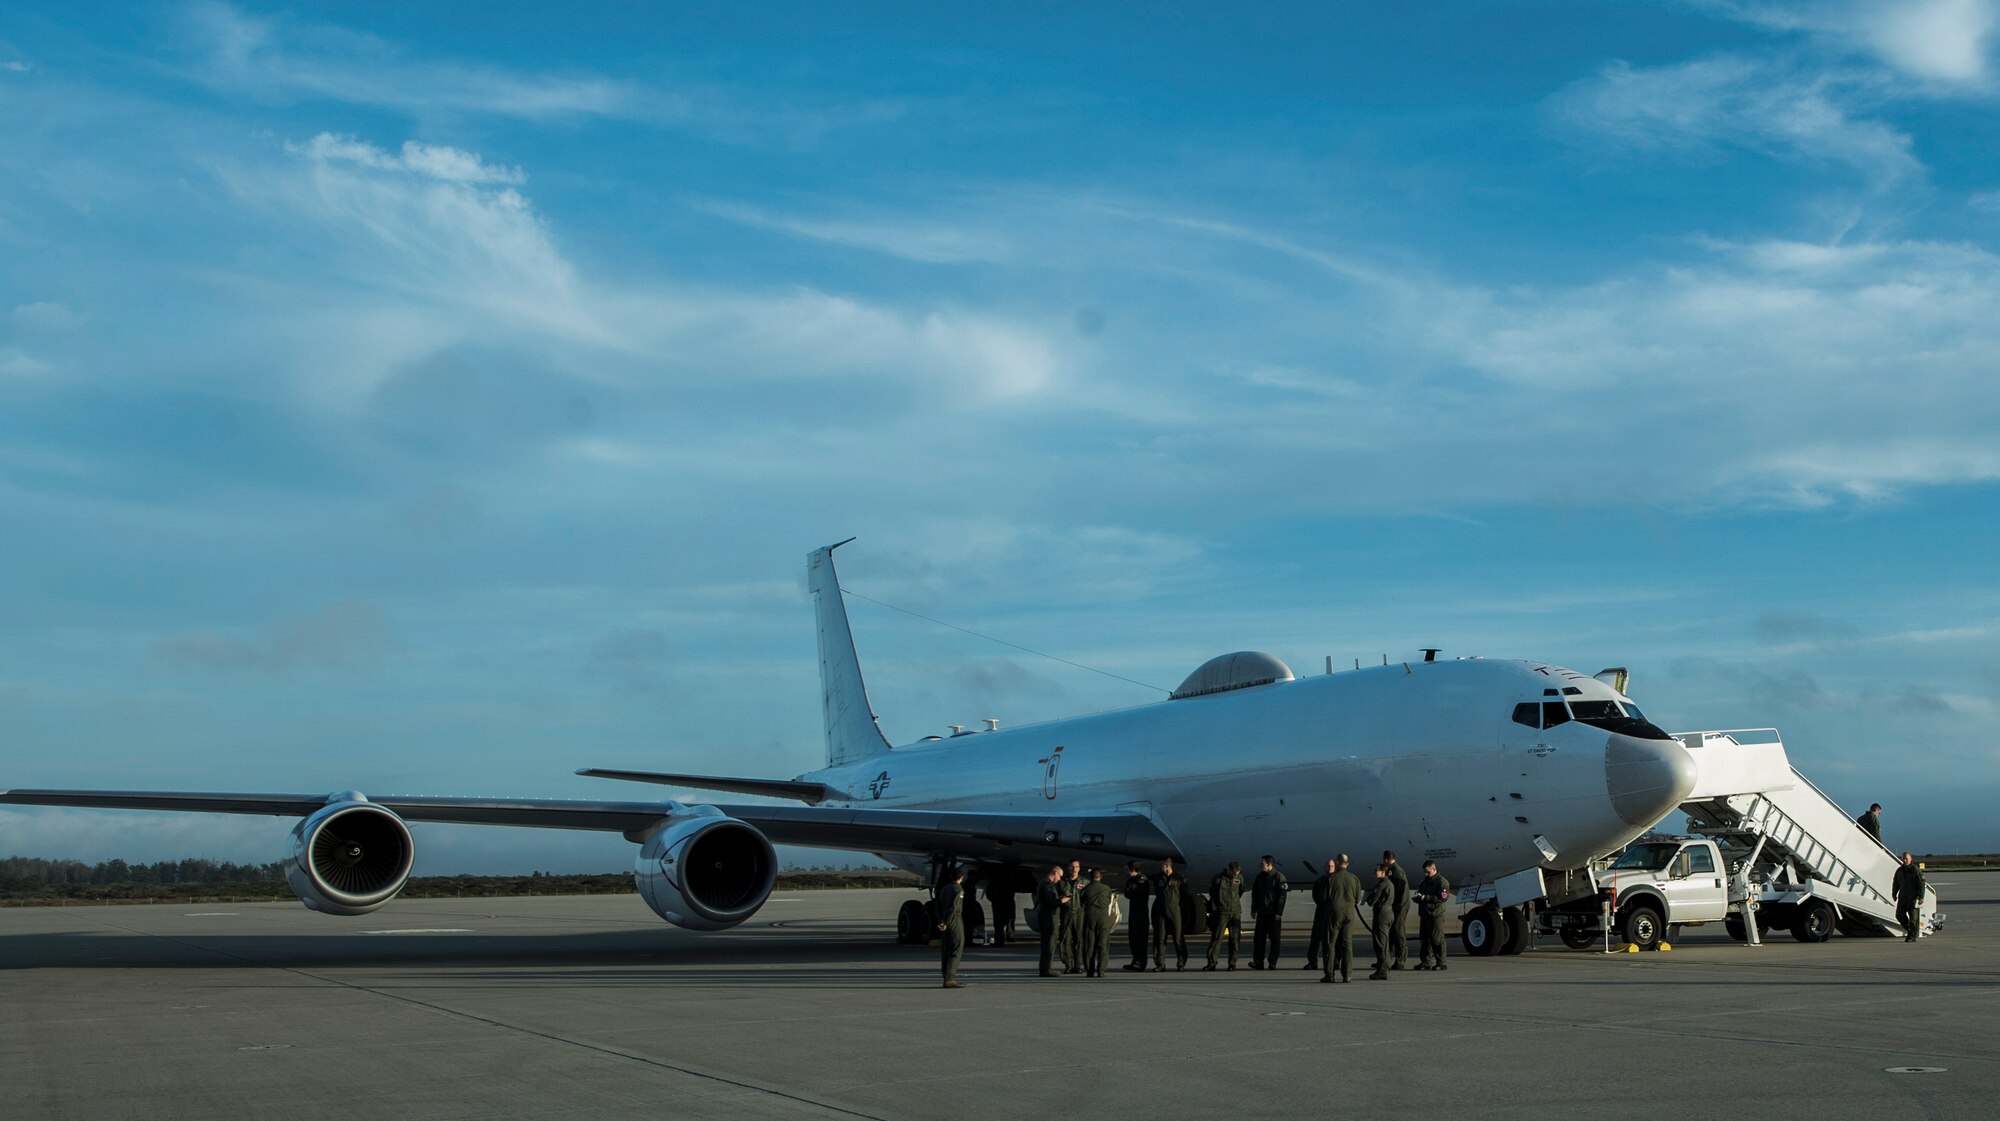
(1645, 858)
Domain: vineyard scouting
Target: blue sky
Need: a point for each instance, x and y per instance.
(435, 399)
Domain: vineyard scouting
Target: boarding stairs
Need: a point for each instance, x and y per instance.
(1751, 800)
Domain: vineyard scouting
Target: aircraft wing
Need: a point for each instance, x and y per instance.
(1018, 838)
(545, 813)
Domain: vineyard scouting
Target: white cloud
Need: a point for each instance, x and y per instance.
(927, 241)
(1943, 44)
(274, 57)
(1743, 103)
(437, 161)
(44, 317)
(16, 364)
(15, 66)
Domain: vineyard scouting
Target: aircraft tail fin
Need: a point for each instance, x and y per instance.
(852, 731)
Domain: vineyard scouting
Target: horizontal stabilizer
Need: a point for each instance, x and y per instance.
(812, 793)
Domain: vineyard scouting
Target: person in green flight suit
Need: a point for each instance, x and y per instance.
(1050, 899)
(1338, 894)
(1069, 928)
(949, 907)
(1399, 936)
(1268, 895)
(1138, 917)
(1318, 938)
(1382, 898)
(1097, 897)
(1871, 822)
(1432, 893)
(1909, 889)
(1167, 927)
(1225, 901)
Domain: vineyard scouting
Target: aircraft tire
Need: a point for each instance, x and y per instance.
(1513, 931)
(1643, 927)
(1481, 931)
(1813, 921)
(911, 928)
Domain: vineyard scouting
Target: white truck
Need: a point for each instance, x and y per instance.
(1766, 843)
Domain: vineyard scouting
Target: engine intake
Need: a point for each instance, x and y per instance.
(350, 858)
(705, 871)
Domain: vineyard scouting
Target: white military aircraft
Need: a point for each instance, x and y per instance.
(1496, 769)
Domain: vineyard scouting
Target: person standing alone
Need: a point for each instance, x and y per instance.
(1432, 893)
(1167, 916)
(1399, 909)
(1225, 899)
(1050, 899)
(1909, 888)
(1268, 895)
(1138, 920)
(1097, 897)
(950, 904)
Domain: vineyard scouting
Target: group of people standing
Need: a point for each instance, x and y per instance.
(1075, 911)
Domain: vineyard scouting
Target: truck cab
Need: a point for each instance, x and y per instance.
(1652, 888)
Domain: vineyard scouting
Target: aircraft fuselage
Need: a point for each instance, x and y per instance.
(1422, 758)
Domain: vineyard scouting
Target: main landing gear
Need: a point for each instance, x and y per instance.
(1489, 930)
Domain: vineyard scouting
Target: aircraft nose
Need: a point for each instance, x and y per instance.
(1646, 778)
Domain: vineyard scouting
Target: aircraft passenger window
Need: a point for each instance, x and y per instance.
(1553, 713)
(1529, 713)
(1700, 860)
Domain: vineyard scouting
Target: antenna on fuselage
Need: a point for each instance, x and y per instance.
(1430, 653)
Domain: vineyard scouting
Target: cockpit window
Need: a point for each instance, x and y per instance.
(1554, 713)
(1595, 712)
(1626, 720)
(1648, 857)
(1528, 713)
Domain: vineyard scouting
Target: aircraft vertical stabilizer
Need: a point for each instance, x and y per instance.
(851, 729)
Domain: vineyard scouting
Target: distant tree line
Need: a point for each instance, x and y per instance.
(28, 881)
(28, 873)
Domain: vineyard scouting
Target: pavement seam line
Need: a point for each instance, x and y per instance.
(502, 1025)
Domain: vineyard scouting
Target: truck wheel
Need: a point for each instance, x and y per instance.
(1813, 921)
(1481, 931)
(1643, 927)
(1513, 931)
(1579, 937)
(1734, 925)
(910, 925)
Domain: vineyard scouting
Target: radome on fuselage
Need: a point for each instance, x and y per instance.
(1424, 758)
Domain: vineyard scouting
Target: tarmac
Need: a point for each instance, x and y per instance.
(590, 1007)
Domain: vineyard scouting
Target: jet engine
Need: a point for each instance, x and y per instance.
(705, 871)
(350, 857)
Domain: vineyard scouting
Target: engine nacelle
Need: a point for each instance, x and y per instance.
(705, 871)
(351, 857)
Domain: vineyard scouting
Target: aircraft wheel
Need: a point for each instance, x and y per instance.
(912, 925)
(1513, 931)
(1579, 937)
(1643, 926)
(1813, 921)
(1481, 932)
